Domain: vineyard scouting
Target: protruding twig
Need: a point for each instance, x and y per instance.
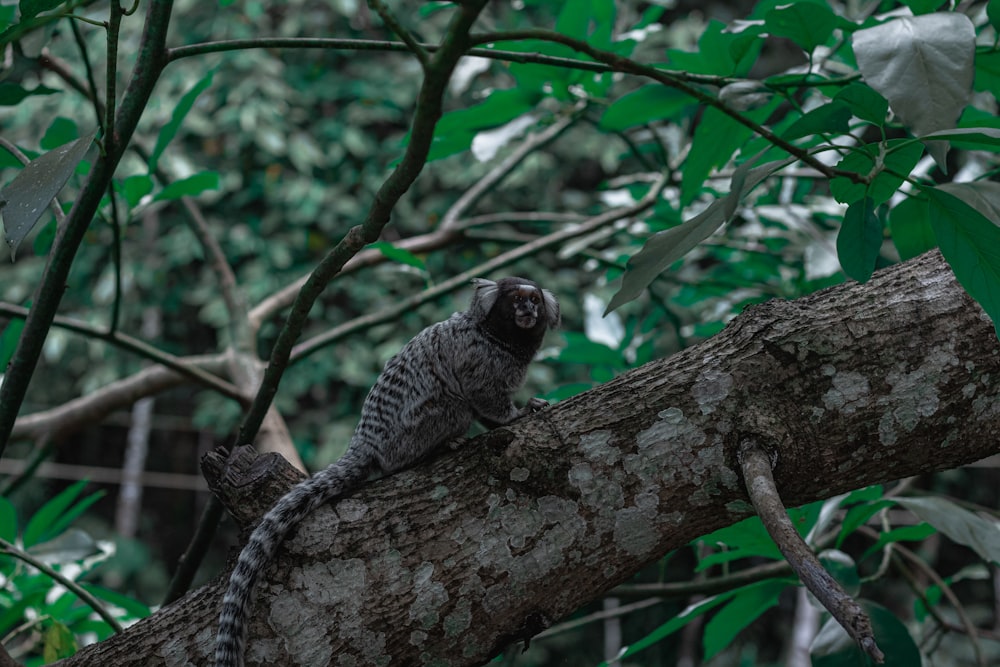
(763, 494)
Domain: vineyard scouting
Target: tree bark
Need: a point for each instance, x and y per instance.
(448, 563)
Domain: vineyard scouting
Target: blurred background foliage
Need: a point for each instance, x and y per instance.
(284, 150)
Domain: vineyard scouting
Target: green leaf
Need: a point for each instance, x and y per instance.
(8, 521)
(864, 103)
(984, 196)
(169, 131)
(898, 156)
(745, 539)
(11, 93)
(742, 610)
(993, 13)
(832, 647)
(916, 533)
(666, 247)
(959, 524)
(715, 53)
(832, 117)
(808, 24)
(57, 641)
(32, 8)
(677, 622)
(988, 72)
(399, 255)
(61, 131)
(41, 526)
(931, 96)
(190, 186)
(456, 130)
(27, 196)
(8, 340)
(859, 240)
(132, 607)
(716, 139)
(649, 103)
(871, 503)
(580, 350)
(134, 188)
(985, 135)
(910, 227)
(971, 244)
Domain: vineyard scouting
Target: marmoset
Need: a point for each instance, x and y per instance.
(454, 372)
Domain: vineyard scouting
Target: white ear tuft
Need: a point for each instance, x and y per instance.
(483, 298)
(551, 308)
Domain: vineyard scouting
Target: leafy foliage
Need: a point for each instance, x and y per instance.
(728, 175)
(43, 621)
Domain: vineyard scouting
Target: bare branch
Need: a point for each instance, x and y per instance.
(764, 495)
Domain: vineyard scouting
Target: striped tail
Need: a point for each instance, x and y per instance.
(339, 478)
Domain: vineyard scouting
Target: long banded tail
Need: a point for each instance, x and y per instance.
(294, 506)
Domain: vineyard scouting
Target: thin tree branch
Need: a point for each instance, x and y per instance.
(428, 111)
(390, 20)
(150, 60)
(677, 80)
(764, 495)
(528, 249)
(138, 347)
(71, 585)
(505, 166)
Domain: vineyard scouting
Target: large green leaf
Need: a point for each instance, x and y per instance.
(974, 531)
(11, 93)
(742, 610)
(910, 226)
(716, 139)
(650, 102)
(664, 248)
(832, 117)
(924, 66)
(859, 240)
(692, 612)
(8, 521)
(864, 102)
(40, 525)
(808, 24)
(971, 244)
(888, 163)
(190, 186)
(25, 199)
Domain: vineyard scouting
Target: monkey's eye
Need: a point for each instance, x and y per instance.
(535, 299)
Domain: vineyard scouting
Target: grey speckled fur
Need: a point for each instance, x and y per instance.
(448, 375)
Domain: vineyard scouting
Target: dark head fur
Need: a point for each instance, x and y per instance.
(515, 311)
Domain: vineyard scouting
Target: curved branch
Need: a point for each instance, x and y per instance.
(763, 494)
(505, 166)
(526, 250)
(85, 410)
(139, 347)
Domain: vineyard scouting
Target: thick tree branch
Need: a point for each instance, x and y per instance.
(450, 562)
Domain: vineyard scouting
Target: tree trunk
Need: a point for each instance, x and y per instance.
(448, 563)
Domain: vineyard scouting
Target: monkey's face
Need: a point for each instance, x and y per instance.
(526, 304)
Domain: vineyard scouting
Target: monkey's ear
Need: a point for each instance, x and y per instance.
(483, 298)
(551, 308)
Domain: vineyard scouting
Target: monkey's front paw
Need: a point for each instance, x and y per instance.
(535, 404)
